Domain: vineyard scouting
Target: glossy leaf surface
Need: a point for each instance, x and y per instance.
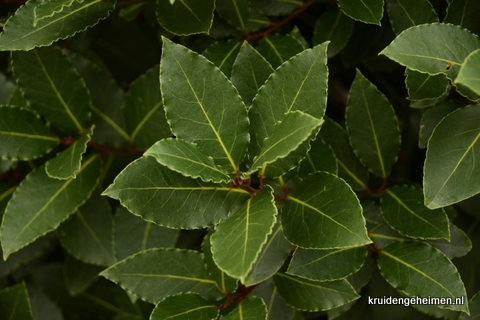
(431, 118)
(43, 74)
(251, 308)
(319, 158)
(185, 17)
(367, 11)
(433, 48)
(463, 13)
(48, 8)
(372, 126)
(324, 213)
(107, 100)
(458, 246)
(286, 137)
(223, 55)
(450, 166)
(148, 276)
(326, 265)
(88, 234)
(336, 27)
(23, 135)
(66, 164)
(408, 13)
(422, 86)
(417, 269)
(51, 202)
(185, 306)
(19, 33)
(186, 159)
(299, 84)
(403, 209)
(15, 304)
(279, 48)
(349, 167)
(271, 257)
(237, 240)
(225, 283)
(311, 295)
(172, 199)
(144, 113)
(213, 116)
(250, 71)
(133, 234)
(235, 12)
(468, 75)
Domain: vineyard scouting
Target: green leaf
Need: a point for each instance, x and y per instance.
(238, 240)
(372, 126)
(458, 246)
(433, 48)
(133, 234)
(19, 32)
(450, 167)
(51, 201)
(335, 27)
(417, 269)
(320, 158)
(7, 88)
(271, 257)
(299, 84)
(223, 55)
(464, 14)
(53, 87)
(408, 13)
(28, 254)
(107, 99)
(257, 20)
(185, 17)
(66, 164)
(251, 308)
(249, 72)
(88, 234)
(403, 209)
(422, 86)
(47, 8)
(23, 135)
(148, 276)
(144, 114)
(468, 75)
(311, 295)
(225, 283)
(15, 304)
(278, 48)
(185, 306)
(235, 12)
(214, 116)
(276, 7)
(431, 118)
(367, 11)
(186, 159)
(79, 276)
(349, 167)
(474, 304)
(18, 99)
(277, 308)
(296, 128)
(327, 265)
(324, 213)
(169, 199)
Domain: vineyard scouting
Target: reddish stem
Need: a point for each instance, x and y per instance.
(107, 150)
(279, 24)
(373, 248)
(241, 294)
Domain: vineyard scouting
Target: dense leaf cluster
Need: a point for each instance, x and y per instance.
(267, 162)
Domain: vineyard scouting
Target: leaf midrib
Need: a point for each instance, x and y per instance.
(200, 104)
(57, 93)
(32, 136)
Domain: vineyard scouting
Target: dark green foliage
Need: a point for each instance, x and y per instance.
(239, 159)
